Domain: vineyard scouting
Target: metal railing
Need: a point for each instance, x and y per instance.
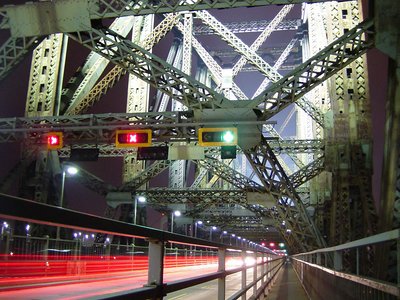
(82, 256)
(324, 278)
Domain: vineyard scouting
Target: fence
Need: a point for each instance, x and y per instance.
(324, 277)
(78, 257)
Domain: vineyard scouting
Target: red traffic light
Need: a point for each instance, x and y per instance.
(54, 140)
(133, 138)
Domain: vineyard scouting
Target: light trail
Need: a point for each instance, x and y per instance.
(97, 287)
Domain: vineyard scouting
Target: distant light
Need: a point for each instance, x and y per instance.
(27, 227)
(214, 228)
(288, 231)
(80, 233)
(72, 170)
(86, 236)
(281, 245)
(200, 222)
(224, 232)
(92, 235)
(107, 239)
(5, 224)
(244, 239)
(75, 234)
(239, 238)
(233, 234)
(272, 244)
(177, 213)
(141, 199)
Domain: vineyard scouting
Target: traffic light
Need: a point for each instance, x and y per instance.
(217, 136)
(153, 153)
(54, 140)
(133, 138)
(78, 154)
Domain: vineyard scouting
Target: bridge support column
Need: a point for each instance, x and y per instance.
(156, 263)
(244, 273)
(221, 268)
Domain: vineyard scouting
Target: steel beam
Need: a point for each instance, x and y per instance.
(314, 71)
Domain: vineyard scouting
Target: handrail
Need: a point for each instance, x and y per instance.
(374, 239)
(34, 212)
(309, 258)
(30, 211)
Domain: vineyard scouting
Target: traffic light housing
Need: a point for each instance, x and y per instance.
(133, 138)
(217, 136)
(54, 140)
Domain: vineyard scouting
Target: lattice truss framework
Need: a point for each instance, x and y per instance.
(280, 193)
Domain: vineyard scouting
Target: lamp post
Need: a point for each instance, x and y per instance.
(230, 237)
(199, 222)
(223, 233)
(71, 170)
(140, 199)
(211, 230)
(175, 213)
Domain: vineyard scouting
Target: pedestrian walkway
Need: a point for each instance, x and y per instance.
(287, 286)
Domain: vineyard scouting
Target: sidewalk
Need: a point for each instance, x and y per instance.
(287, 286)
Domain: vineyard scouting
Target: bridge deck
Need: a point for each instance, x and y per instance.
(287, 286)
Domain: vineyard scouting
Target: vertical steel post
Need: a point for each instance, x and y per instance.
(244, 273)
(357, 261)
(398, 262)
(319, 259)
(156, 264)
(221, 268)
(263, 268)
(337, 261)
(255, 274)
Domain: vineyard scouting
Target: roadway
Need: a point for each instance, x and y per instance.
(208, 290)
(97, 288)
(94, 288)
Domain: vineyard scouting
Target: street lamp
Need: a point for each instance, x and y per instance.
(140, 199)
(223, 233)
(175, 213)
(71, 170)
(211, 230)
(199, 222)
(230, 237)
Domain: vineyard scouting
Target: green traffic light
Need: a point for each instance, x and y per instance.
(228, 137)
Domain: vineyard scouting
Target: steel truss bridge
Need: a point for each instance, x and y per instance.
(184, 65)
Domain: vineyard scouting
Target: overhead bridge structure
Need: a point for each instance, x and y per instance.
(232, 126)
